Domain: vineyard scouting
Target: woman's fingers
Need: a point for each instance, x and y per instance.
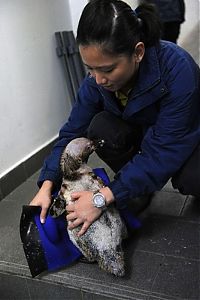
(78, 222)
(43, 214)
(75, 223)
(71, 216)
(84, 228)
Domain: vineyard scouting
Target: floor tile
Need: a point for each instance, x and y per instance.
(34, 177)
(11, 247)
(167, 203)
(23, 194)
(47, 291)
(185, 240)
(13, 288)
(169, 188)
(140, 275)
(156, 296)
(96, 162)
(178, 278)
(143, 269)
(156, 234)
(88, 296)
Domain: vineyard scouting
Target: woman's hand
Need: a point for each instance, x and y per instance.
(43, 199)
(82, 211)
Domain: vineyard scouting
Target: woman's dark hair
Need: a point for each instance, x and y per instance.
(117, 28)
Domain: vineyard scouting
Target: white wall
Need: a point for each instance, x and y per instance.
(33, 95)
(190, 31)
(76, 7)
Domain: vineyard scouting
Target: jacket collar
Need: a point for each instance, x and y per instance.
(149, 80)
(149, 72)
(150, 86)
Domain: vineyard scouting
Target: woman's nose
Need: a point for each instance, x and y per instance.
(100, 78)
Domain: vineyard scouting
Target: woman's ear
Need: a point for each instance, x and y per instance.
(139, 51)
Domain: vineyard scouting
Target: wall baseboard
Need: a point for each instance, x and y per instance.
(22, 172)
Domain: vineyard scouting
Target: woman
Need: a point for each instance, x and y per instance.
(141, 95)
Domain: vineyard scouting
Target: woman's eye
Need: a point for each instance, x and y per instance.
(108, 70)
(102, 70)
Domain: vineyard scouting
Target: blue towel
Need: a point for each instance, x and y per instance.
(47, 246)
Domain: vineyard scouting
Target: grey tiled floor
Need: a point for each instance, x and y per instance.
(162, 258)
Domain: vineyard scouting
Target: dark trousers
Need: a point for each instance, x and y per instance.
(187, 179)
(122, 141)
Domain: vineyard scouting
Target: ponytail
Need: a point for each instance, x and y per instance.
(151, 25)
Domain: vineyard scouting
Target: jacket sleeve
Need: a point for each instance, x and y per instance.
(86, 106)
(166, 144)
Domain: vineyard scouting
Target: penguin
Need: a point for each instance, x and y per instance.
(102, 242)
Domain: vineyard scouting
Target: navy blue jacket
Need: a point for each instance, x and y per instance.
(165, 101)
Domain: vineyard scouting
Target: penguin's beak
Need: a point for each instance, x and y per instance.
(98, 143)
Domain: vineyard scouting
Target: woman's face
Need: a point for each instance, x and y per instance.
(111, 72)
